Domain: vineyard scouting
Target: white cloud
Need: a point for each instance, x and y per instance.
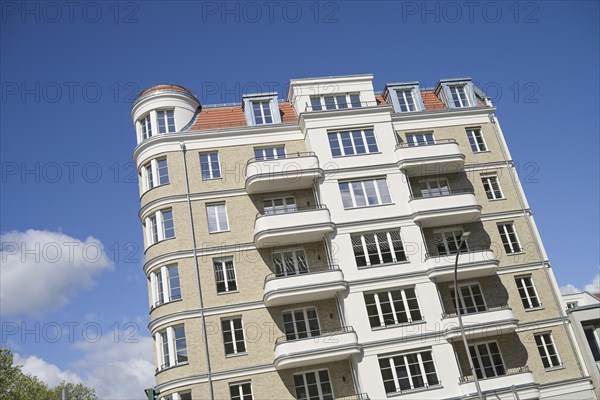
(569, 288)
(593, 287)
(48, 373)
(43, 270)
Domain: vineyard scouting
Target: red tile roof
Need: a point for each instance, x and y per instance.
(233, 116)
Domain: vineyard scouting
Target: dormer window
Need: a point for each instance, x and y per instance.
(404, 97)
(166, 121)
(146, 127)
(335, 102)
(457, 93)
(261, 109)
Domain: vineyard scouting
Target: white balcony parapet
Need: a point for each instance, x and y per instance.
(453, 207)
(494, 321)
(329, 346)
(439, 158)
(515, 380)
(474, 263)
(316, 283)
(294, 171)
(300, 225)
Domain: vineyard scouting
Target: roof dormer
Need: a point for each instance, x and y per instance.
(457, 93)
(404, 97)
(261, 109)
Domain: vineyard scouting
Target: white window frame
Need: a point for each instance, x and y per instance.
(547, 344)
(216, 207)
(212, 174)
(163, 114)
(452, 230)
(489, 353)
(234, 338)
(442, 187)
(305, 320)
(472, 134)
(411, 139)
(462, 103)
(223, 270)
(155, 228)
(171, 354)
(295, 258)
(521, 284)
(283, 209)
(163, 277)
(388, 294)
(150, 173)
(490, 181)
(350, 132)
(402, 92)
(409, 376)
(262, 107)
(388, 234)
(146, 127)
(265, 157)
(317, 380)
(347, 97)
(503, 226)
(241, 394)
(461, 298)
(362, 187)
(595, 334)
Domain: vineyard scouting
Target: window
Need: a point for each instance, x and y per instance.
(408, 372)
(146, 127)
(491, 187)
(240, 391)
(420, 139)
(434, 187)
(447, 242)
(302, 323)
(290, 262)
(476, 140)
(335, 102)
(166, 121)
(155, 173)
(509, 238)
(547, 350)
(459, 96)
(572, 304)
(487, 360)
(171, 346)
(262, 112)
(209, 165)
(225, 275)
(348, 143)
(366, 192)
(165, 283)
(392, 307)
(527, 291)
(217, 218)
(314, 385)
(185, 396)
(269, 153)
(377, 248)
(279, 206)
(233, 336)
(160, 226)
(470, 299)
(593, 339)
(406, 100)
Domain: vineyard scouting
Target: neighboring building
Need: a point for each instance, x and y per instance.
(584, 312)
(304, 248)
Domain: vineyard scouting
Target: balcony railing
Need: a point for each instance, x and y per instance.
(488, 308)
(359, 396)
(452, 254)
(349, 106)
(286, 156)
(425, 386)
(309, 270)
(448, 192)
(436, 142)
(291, 210)
(324, 333)
(509, 371)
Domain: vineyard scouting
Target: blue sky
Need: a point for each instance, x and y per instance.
(69, 74)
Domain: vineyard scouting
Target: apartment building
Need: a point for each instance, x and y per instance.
(304, 248)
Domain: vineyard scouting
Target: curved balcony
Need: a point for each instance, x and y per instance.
(449, 208)
(295, 171)
(494, 321)
(330, 346)
(316, 283)
(515, 380)
(439, 158)
(474, 263)
(300, 225)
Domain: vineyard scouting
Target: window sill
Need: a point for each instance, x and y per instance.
(482, 151)
(374, 205)
(228, 292)
(220, 178)
(500, 199)
(381, 328)
(557, 368)
(358, 155)
(515, 253)
(408, 391)
(236, 355)
(160, 241)
(534, 309)
(171, 367)
(155, 187)
(212, 233)
(154, 307)
(407, 261)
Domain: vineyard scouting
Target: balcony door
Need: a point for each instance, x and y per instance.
(447, 241)
(302, 323)
(290, 262)
(279, 205)
(434, 187)
(470, 299)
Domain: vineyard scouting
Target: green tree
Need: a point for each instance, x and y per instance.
(16, 385)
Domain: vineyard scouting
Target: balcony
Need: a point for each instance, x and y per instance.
(474, 263)
(295, 171)
(515, 380)
(439, 158)
(316, 283)
(494, 321)
(330, 346)
(300, 225)
(446, 208)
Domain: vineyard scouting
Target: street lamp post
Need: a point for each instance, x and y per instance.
(463, 240)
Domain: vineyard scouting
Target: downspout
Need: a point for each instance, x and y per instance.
(195, 252)
(520, 193)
